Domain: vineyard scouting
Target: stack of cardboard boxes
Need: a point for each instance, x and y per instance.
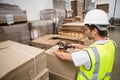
(22, 62)
(13, 24)
(11, 12)
(74, 29)
(45, 42)
(16, 32)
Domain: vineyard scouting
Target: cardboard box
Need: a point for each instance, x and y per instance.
(60, 67)
(45, 42)
(38, 55)
(43, 75)
(55, 76)
(20, 62)
(17, 32)
(15, 65)
(59, 4)
(80, 4)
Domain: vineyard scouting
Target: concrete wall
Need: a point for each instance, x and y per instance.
(32, 7)
(111, 7)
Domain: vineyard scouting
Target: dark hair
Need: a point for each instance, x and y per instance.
(100, 33)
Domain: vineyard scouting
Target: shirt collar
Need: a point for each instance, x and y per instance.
(101, 41)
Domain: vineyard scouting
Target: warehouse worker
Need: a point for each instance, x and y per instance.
(96, 61)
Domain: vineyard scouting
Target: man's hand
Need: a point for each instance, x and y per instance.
(62, 55)
(54, 51)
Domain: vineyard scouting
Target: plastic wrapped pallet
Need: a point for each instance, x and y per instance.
(61, 14)
(57, 15)
(47, 14)
(20, 62)
(59, 4)
(50, 14)
(43, 27)
(17, 14)
(62, 4)
(90, 4)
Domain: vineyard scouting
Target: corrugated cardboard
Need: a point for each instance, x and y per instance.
(60, 67)
(45, 42)
(17, 32)
(43, 75)
(55, 76)
(11, 56)
(20, 62)
(59, 4)
(80, 4)
(73, 26)
(48, 41)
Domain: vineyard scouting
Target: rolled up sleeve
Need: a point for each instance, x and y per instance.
(80, 58)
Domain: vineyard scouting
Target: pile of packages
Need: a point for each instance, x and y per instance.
(22, 62)
(10, 14)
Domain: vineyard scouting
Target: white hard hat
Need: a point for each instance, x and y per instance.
(96, 16)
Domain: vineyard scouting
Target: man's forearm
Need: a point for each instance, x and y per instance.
(64, 56)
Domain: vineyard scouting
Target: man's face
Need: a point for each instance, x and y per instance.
(88, 32)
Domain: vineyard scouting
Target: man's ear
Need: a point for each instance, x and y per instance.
(95, 31)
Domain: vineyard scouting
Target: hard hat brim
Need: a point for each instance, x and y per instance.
(101, 28)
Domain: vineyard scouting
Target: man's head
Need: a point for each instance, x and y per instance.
(96, 22)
